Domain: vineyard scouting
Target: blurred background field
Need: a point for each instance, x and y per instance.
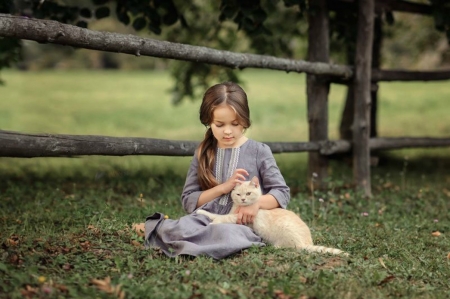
(138, 104)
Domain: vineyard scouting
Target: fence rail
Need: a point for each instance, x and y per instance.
(22, 145)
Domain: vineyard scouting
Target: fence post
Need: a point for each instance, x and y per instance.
(317, 90)
(362, 85)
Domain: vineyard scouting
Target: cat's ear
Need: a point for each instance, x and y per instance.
(255, 182)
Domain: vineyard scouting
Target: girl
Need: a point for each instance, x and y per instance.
(224, 157)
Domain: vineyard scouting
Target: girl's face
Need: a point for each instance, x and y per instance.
(226, 128)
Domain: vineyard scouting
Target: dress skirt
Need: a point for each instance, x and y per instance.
(194, 235)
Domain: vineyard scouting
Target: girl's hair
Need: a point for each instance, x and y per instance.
(227, 93)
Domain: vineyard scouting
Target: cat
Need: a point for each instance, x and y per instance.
(279, 227)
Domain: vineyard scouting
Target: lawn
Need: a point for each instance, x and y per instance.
(65, 221)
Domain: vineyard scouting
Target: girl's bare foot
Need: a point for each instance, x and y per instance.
(139, 228)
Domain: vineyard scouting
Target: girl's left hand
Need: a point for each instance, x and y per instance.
(246, 214)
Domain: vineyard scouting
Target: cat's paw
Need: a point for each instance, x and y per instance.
(206, 213)
(202, 212)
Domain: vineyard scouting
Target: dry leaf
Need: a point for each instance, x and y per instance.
(136, 243)
(93, 228)
(29, 292)
(281, 295)
(436, 234)
(106, 286)
(448, 256)
(12, 242)
(387, 279)
(382, 263)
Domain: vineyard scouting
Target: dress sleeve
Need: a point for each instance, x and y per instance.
(191, 191)
(272, 180)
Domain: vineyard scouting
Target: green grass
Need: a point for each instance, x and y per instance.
(64, 221)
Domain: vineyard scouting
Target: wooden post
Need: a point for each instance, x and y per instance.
(376, 63)
(317, 90)
(362, 84)
(345, 128)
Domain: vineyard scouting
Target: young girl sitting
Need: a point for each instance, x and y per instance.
(224, 157)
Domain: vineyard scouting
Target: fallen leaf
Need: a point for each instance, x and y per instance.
(382, 263)
(387, 185)
(11, 242)
(386, 280)
(29, 292)
(136, 243)
(106, 286)
(67, 266)
(436, 233)
(93, 228)
(448, 256)
(281, 295)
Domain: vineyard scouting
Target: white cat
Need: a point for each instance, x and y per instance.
(279, 227)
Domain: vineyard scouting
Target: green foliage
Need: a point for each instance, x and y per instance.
(10, 52)
(441, 14)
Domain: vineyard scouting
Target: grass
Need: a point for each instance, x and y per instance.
(65, 222)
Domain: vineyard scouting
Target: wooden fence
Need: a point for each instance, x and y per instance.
(320, 74)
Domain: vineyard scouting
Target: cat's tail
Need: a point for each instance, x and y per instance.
(323, 249)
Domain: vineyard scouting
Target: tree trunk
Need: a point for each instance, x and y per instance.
(362, 85)
(317, 92)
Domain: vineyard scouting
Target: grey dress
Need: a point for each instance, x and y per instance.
(192, 234)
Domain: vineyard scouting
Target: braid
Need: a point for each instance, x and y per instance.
(206, 158)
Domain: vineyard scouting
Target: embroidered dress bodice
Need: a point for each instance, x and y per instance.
(223, 172)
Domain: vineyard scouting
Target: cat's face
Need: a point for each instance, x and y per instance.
(246, 193)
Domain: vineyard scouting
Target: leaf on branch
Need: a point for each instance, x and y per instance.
(139, 23)
(82, 24)
(99, 2)
(123, 17)
(170, 18)
(85, 13)
(102, 12)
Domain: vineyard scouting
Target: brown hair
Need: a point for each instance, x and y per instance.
(227, 93)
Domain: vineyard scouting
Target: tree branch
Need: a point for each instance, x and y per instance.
(47, 31)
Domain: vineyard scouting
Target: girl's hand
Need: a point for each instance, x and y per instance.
(237, 177)
(246, 214)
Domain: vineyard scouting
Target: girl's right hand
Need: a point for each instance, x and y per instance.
(237, 177)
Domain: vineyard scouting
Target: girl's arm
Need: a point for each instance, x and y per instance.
(246, 214)
(277, 193)
(194, 197)
(210, 194)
